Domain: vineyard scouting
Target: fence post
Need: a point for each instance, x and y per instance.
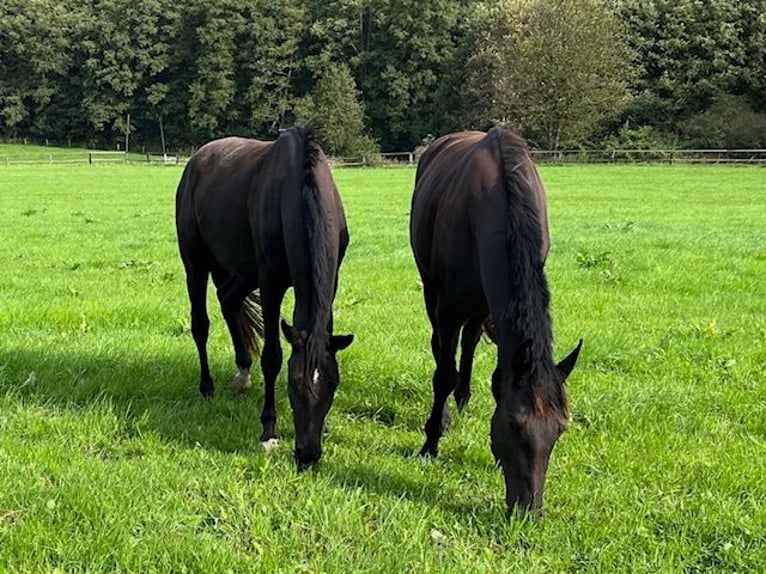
(90, 158)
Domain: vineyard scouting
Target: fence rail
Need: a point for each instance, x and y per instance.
(410, 158)
(670, 156)
(91, 157)
(574, 156)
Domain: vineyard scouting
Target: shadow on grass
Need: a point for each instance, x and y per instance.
(160, 396)
(438, 489)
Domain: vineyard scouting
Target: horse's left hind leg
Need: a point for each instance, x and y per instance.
(196, 283)
(470, 338)
(444, 378)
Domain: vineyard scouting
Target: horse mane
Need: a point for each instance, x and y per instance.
(322, 249)
(527, 311)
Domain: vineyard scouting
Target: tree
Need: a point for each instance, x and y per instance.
(266, 62)
(691, 53)
(553, 69)
(335, 106)
(35, 38)
(212, 89)
(410, 67)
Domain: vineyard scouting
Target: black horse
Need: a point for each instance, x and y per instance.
(479, 233)
(267, 216)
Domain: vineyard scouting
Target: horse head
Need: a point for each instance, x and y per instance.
(529, 417)
(311, 390)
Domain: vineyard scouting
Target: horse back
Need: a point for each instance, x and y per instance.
(460, 228)
(213, 201)
(457, 178)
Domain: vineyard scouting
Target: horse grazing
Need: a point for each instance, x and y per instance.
(266, 216)
(479, 233)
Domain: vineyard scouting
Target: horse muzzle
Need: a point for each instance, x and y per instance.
(306, 458)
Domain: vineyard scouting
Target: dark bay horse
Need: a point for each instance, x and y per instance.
(479, 233)
(267, 216)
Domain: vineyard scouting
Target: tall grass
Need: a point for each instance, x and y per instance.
(110, 461)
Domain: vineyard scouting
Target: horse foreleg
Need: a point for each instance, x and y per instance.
(470, 338)
(271, 357)
(444, 379)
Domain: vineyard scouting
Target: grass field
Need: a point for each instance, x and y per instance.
(110, 461)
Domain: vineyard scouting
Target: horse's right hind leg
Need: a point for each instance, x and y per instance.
(196, 284)
(232, 292)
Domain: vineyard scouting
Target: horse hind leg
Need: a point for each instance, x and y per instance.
(444, 379)
(470, 338)
(196, 284)
(232, 292)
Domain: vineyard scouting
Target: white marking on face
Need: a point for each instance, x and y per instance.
(315, 377)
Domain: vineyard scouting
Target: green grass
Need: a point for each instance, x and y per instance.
(110, 461)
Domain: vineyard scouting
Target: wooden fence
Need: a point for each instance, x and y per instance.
(581, 156)
(410, 158)
(91, 157)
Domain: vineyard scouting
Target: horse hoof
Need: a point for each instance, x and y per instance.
(241, 382)
(427, 454)
(270, 444)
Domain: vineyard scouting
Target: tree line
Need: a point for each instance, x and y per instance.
(384, 74)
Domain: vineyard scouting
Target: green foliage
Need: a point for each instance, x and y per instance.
(690, 53)
(111, 462)
(555, 69)
(93, 72)
(35, 37)
(334, 104)
(728, 123)
(641, 138)
(412, 67)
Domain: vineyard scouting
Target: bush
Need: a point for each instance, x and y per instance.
(729, 123)
(642, 137)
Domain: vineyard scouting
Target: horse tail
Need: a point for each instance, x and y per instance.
(323, 250)
(251, 321)
(521, 182)
(526, 231)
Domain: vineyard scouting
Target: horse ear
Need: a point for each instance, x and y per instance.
(294, 337)
(340, 342)
(522, 360)
(566, 365)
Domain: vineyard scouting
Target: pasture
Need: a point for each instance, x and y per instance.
(110, 460)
